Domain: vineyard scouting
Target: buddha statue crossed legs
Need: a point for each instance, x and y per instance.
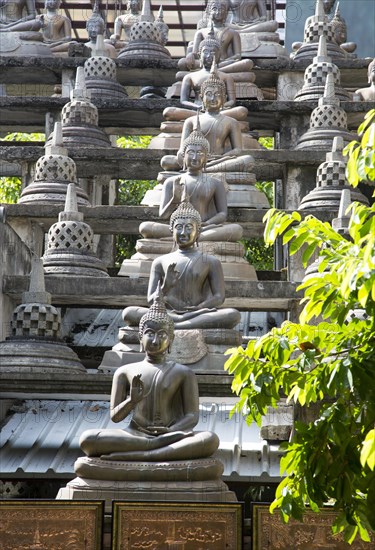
(162, 397)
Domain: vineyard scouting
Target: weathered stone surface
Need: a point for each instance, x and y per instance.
(120, 292)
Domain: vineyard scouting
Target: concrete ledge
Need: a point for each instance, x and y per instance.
(121, 292)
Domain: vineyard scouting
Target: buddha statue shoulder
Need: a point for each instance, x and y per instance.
(162, 398)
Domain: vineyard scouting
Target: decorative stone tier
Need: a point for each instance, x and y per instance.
(205, 469)
(231, 255)
(38, 355)
(162, 491)
(201, 349)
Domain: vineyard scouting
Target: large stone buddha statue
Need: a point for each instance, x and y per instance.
(367, 94)
(250, 16)
(55, 28)
(230, 41)
(222, 132)
(13, 11)
(162, 397)
(192, 282)
(206, 193)
(124, 23)
(155, 454)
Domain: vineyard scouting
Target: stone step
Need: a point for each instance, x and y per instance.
(122, 292)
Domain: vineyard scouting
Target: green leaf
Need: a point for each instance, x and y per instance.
(368, 450)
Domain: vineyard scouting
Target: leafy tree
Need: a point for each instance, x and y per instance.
(326, 361)
(256, 253)
(131, 192)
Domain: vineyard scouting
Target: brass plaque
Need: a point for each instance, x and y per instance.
(182, 526)
(51, 524)
(270, 533)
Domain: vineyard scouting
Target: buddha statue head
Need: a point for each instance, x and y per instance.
(213, 91)
(209, 49)
(95, 24)
(134, 6)
(185, 224)
(156, 327)
(339, 28)
(217, 10)
(195, 149)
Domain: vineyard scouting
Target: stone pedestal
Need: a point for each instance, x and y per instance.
(231, 255)
(242, 192)
(189, 480)
(266, 47)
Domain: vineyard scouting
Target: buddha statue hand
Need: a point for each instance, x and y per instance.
(137, 389)
(171, 277)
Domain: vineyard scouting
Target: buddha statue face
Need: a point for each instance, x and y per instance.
(195, 157)
(155, 337)
(52, 4)
(218, 10)
(134, 6)
(213, 98)
(185, 232)
(207, 55)
(94, 27)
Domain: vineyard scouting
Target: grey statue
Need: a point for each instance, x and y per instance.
(162, 397)
(222, 132)
(250, 16)
(56, 28)
(206, 193)
(192, 282)
(368, 94)
(126, 21)
(230, 41)
(13, 11)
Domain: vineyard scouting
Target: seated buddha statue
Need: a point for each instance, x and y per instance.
(206, 193)
(250, 16)
(125, 22)
(230, 41)
(192, 282)
(222, 132)
(13, 11)
(55, 28)
(162, 397)
(340, 32)
(368, 94)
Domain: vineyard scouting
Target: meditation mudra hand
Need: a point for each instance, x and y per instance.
(162, 397)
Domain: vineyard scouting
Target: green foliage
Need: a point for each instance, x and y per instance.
(10, 188)
(20, 136)
(131, 192)
(361, 163)
(258, 255)
(329, 364)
